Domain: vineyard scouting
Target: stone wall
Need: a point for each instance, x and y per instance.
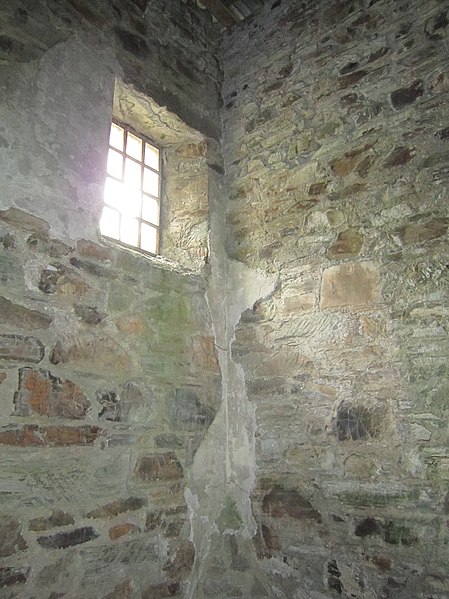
(109, 377)
(335, 141)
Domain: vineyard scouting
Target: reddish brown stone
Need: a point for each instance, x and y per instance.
(89, 249)
(21, 317)
(158, 467)
(348, 243)
(382, 562)
(11, 539)
(22, 220)
(364, 166)
(120, 530)
(32, 435)
(416, 233)
(111, 510)
(399, 157)
(192, 150)
(280, 502)
(46, 395)
(10, 576)
(21, 349)
(344, 166)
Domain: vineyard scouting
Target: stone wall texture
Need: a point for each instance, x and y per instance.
(262, 412)
(335, 143)
(109, 376)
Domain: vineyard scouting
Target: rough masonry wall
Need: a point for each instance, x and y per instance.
(109, 377)
(335, 139)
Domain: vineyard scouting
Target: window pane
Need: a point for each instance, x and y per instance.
(132, 203)
(113, 193)
(134, 146)
(152, 156)
(109, 223)
(129, 231)
(116, 137)
(151, 182)
(150, 210)
(133, 173)
(148, 240)
(115, 163)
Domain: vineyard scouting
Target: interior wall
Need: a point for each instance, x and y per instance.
(335, 145)
(108, 368)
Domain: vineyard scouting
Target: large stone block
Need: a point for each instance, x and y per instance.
(354, 284)
(163, 467)
(18, 316)
(21, 349)
(43, 394)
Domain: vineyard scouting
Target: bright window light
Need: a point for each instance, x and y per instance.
(132, 191)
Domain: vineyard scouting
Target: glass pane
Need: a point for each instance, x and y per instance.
(150, 210)
(114, 193)
(133, 173)
(148, 239)
(109, 223)
(134, 146)
(129, 231)
(151, 182)
(152, 156)
(116, 137)
(115, 163)
(132, 201)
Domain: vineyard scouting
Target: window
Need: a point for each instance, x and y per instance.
(132, 190)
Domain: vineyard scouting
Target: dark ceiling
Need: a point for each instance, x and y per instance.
(229, 12)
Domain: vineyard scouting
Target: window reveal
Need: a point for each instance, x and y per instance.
(132, 191)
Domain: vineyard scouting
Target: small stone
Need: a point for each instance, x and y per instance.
(53, 247)
(61, 280)
(348, 244)
(3, 376)
(367, 527)
(89, 314)
(169, 440)
(181, 565)
(11, 576)
(400, 156)
(443, 134)
(62, 540)
(11, 539)
(22, 220)
(158, 467)
(112, 406)
(18, 348)
(188, 412)
(89, 249)
(18, 316)
(110, 510)
(121, 530)
(417, 233)
(281, 502)
(351, 79)
(407, 95)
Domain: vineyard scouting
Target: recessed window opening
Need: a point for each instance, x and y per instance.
(132, 191)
